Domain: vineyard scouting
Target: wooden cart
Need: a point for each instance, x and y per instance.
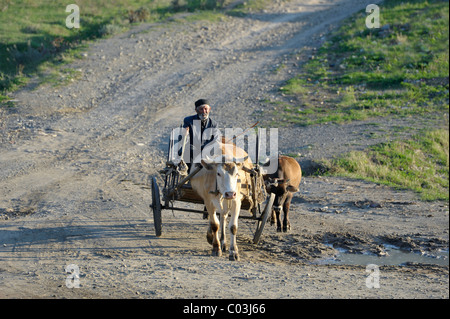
(177, 188)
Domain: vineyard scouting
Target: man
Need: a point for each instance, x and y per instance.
(202, 130)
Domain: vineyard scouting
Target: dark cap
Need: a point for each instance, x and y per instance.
(201, 102)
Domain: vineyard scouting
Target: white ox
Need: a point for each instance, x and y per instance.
(219, 185)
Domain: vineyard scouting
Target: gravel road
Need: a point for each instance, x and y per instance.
(75, 161)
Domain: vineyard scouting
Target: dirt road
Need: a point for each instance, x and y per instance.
(75, 162)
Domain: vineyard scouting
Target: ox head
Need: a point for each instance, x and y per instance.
(280, 187)
(227, 174)
(274, 185)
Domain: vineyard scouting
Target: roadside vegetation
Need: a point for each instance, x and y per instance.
(420, 164)
(399, 69)
(34, 39)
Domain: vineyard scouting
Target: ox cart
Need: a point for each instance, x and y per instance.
(177, 188)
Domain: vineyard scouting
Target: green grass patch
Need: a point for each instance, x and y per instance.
(420, 164)
(399, 69)
(248, 6)
(34, 37)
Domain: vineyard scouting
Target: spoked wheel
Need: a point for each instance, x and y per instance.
(263, 219)
(156, 207)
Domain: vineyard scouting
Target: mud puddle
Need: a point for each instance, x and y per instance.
(394, 256)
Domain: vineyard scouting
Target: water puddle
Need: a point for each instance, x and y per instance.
(394, 257)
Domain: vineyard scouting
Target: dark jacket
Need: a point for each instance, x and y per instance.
(200, 134)
(197, 135)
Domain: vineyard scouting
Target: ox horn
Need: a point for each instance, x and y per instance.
(235, 160)
(240, 160)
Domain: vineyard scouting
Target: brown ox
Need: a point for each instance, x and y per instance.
(219, 185)
(283, 183)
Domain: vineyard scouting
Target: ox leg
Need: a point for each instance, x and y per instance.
(286, 206)
(214, 225)
(213, 231)
(209, 235)
(277, 210)
(223, 235)
(234, 252)
(273, 218)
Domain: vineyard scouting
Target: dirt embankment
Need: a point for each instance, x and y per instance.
(75, 162)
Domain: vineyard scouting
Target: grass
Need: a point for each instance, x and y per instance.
(400, 69)
(34, 39)
(250, 6)
(420, 164)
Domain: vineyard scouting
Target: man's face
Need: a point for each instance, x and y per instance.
(203, 111)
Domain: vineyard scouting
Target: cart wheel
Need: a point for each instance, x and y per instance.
(263, 219)
(156, 207)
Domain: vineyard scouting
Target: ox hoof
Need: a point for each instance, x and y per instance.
(278, 229)
(234, 257)
(216, 253)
